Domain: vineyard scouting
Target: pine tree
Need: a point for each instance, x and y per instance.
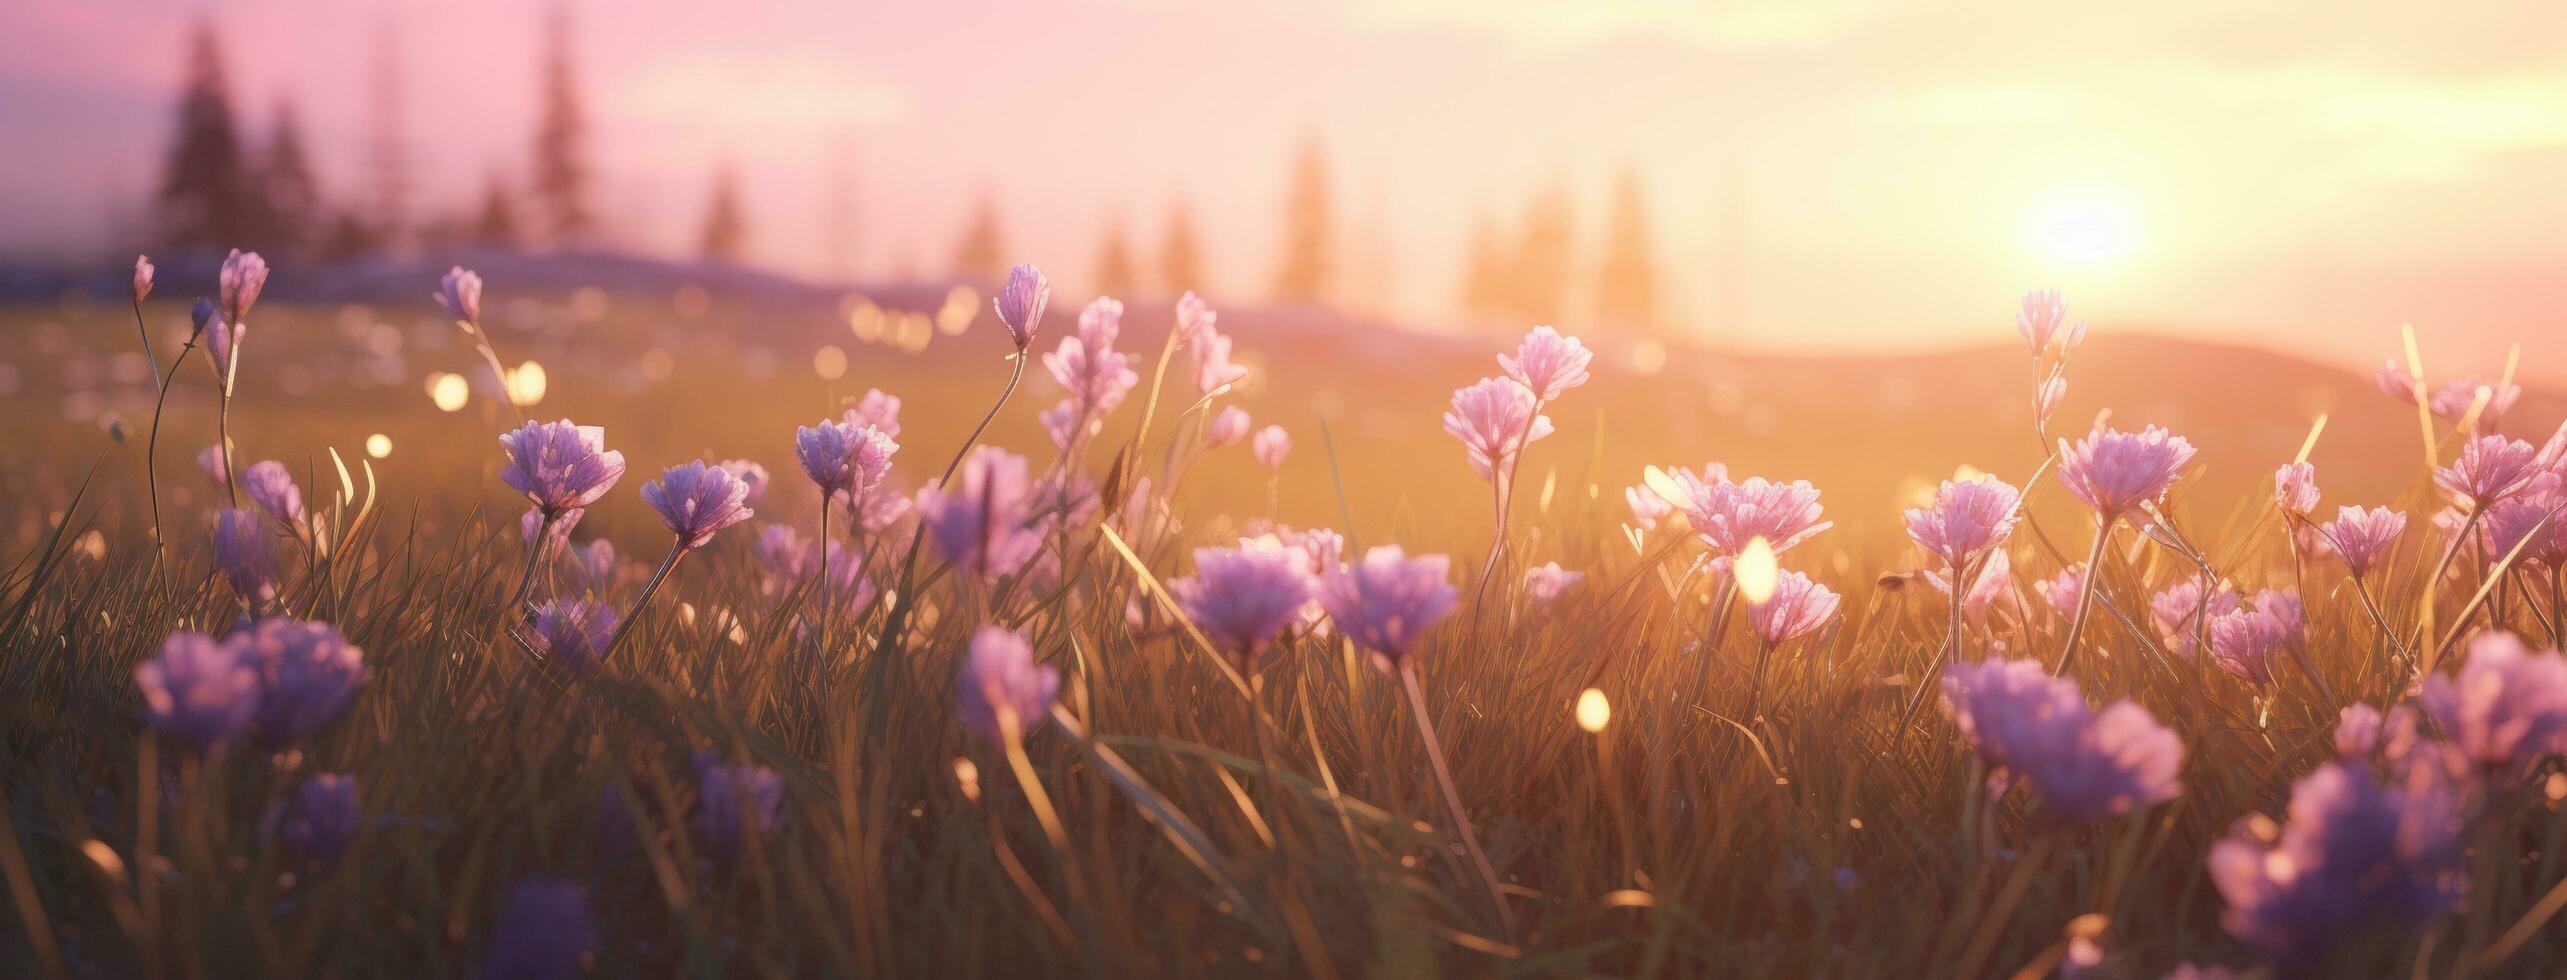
(496, 226)
(726, 229)
(981, 255)
(1307, 263)
(1180, 258)
(208, 198)
(1539, 282)
(1627, 279)
(561, 170)
(1115, 273)
(1484, 290)
(292, 194)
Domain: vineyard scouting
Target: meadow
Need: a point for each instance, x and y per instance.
(1088, 676)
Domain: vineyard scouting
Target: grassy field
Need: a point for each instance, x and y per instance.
(1182, 811)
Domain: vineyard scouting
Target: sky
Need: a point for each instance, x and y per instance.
(1823, 174)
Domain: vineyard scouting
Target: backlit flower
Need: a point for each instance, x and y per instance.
(210, 462)
(1228, 427)
(2178, 615)
(460, 293)
(1494, 419)
(1968, 518)
(1798, 607)
(1647, 507)
(2044, 312)
(270, 486)
(2062, 591)
(983, 521)
(1020, 303)
(560, 465)
(878, 409)
(1241, 597)
(1545, 583)
(1213, 369)
(2490, 468)
(999, 675)
(2506, 707)
(199, 690)
(2352, 858)
(308, 676)
(575, 631)
(1270, 447)
(2114, 471)
(1386, 601)
(1728, 515)
(2295, 487)
(696, 500)
(142, 277)
(1547, 363)
(2362, 537)
(751, 474)
(245, 548)
(2533, 520)
(2243, 641)
(2086, 765)
(244, 275)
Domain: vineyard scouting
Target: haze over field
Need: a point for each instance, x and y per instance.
(1832, 176)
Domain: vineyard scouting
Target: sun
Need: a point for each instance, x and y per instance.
(2083, 229)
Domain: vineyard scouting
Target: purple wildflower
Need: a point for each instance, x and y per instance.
(2086, 765)
(2353, 858)
(999, 676)
(1241, 597)
(751, 474)
(1270, 447)
(1545, 583)
(320, 818)
(878, 410)
(2506, 707)
(560, 465)
(2295, 487)
(544, 931)
(1647, 507)
(271, 486)
(2044, 312)
(460, 293)
(1797, 607)
(1228, 427)
(983, 523)
(308, 676)
(2534, 520)
(1547, 364)
(2357, 731)
(210, 462)
(557, 537)
(246, 550)
(142, 277)
(1494, 418)
(1387, 601)
(844, 457)
(1020, 303)
(2490, 468)
(2244, 640)
(199, 690)
(2362, 537)
(575, 631)
(2061, 591)
(244, 275)
(2177, 614)
(735, 803)
(1727, 515)
(1968, 518)
(2114, 471)
(696, 500)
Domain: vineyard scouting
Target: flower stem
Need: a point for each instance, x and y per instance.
(151, 466)
(2085, 596)
(658, 575)
(896, 623)
(1453, 799)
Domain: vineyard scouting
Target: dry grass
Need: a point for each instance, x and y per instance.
(1818, 840)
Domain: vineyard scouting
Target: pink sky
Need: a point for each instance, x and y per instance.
(1869, 174)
